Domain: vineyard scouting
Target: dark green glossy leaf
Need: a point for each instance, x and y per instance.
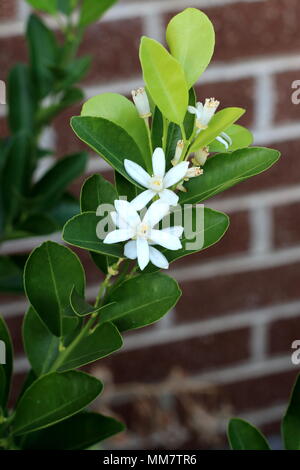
(50, 273)
(108, 140)
(141, 301)
(225, 170)
(22, 104)
(124, 187)
(8, 366)
(95, 191)
(42, 405)
(290, 427)
(11, 276)
(104, 340)
(81, 231)
(78, 432)
(40, 344)
(244, 436)
(65, 209)
(38, 224)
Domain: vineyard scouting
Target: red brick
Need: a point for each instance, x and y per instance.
(255, 28)
(281, 335)
(286, 110)
(192, 355)
(286, 225)
(66, 140)
(114, 50)
(235, 241)
(4, 132)
(7, 9)
(13, 50)
(222, 295)
(236, 93)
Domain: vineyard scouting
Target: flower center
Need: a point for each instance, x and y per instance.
(156, 183)
(142, 230)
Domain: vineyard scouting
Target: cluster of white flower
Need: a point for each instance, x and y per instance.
(141, 233)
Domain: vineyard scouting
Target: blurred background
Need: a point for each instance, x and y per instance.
(226, 349)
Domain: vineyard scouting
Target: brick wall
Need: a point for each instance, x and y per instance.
(225, 349)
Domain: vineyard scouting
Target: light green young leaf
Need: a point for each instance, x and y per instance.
(50, 273)
(92, 10)
(141, 301)
(49, 6)
(240, 136)
(219, 123)
(109, 140)
(191, 39)
(228, 169)
(243, 436)
(42, 406)
(121, 111)
(290, 426)
(165, 80)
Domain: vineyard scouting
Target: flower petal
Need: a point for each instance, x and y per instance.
(118, 221)
(176, 174)
(130, 250)
(143, 255)
(117, 236)
(139, 202)
(165, 239)
(157, 258)
(159, 162)
(169, 197)
(137, 173)
(223, 141)
(177, 230)
(127, 212)
(157, 211)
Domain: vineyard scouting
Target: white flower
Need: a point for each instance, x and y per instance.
(159, 182)
(142, 234)
(141, 102)
(204, 113)
(193, 172)
(201, 156)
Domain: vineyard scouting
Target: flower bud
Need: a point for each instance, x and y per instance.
(201, 156)
(141, 102)
(193, 172)
(178, 152)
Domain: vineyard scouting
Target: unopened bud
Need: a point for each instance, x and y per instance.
(193, 172)
(201, 156)
(141, 102)
(178, 152)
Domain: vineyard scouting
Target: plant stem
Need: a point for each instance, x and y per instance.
(146, 121)
(165, 133)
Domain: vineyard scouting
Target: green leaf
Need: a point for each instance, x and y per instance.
(81, 231)
(95, 191)
(191, 39)
(104, 340)
(165, 80)
(38, 224)
(108, 140)
(50, 188)
(200, 237)
(79, 305)
(225, 170)
(141, 301)
(240, 136)
(66, 6)
(76, 433)
(74, 72)
(41, 346)
(124, 187)
(290, 427)
(43, 51)
(219, 123)
(65, 209)
(49, 6)
(15, 175)
(22, 104)
(69, 98)
(119, 110)
(92, 10)
(8, 366)
(53, 398)
(50, 273)
(243, 436)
